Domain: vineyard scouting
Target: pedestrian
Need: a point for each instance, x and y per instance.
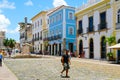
(9, 54)
(0, 58)
(65, 63)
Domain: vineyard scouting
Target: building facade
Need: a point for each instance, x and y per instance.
(39, 27)
(94, 24)
(25, 32)
(2, 37)
(116, 22)
(62, 30)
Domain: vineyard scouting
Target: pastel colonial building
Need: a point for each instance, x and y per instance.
(39, 27)
(62, 30)
(95, 23)
(116, 22)
(25, 32)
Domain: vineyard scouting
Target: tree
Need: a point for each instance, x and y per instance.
(11, 43)
(110, 40)
(6, 43)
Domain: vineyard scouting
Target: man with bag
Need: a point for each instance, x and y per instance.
(65, 62)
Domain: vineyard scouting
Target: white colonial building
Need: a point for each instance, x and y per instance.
(95, 22)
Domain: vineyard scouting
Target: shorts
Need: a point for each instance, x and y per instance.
(66, 66)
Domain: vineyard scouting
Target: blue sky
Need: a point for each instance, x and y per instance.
(13, 11)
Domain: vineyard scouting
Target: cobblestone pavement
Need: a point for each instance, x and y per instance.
(6, 74)
(50, 68)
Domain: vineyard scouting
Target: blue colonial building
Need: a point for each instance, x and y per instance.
(62, 30)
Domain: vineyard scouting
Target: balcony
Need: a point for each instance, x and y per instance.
(79, 31)
(102, 26)
(90, 29)
(59, 36)
(55, 37)
(117, 26)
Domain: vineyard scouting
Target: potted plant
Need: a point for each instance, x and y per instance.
(110, 56)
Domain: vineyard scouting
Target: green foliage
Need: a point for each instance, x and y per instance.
(6, 42)
(9, 43)
(110, 40)
(110, 54)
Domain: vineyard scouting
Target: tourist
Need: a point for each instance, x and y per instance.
(65, 62)
(0, 58)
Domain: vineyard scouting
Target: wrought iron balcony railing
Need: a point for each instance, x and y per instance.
(102, 26)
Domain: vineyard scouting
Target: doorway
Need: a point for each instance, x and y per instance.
(91, 48)
(71, 47)
(80, 47)
(118, 52)
(103, 48)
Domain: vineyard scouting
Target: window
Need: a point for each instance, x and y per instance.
(70, 15)
(35, 24)
(35, 35)
(103, 17)
(48, 21)
(41, 21)
(56, 18)
(38, 34)
(118, 16)
(38, 23)
(53, 19)
(90, 23)
(80, 24)
(60, 16)
(71, 31)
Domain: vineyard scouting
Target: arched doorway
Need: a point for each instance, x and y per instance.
(91, 48)
(80, 47)
(50, 49)
(118, 52)
(103, 48)
(53, 49)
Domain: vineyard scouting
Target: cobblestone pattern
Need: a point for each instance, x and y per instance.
(50, 68)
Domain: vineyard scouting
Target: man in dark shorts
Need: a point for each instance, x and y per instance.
(65, 62)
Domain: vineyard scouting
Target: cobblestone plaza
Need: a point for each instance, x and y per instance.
(49, 69)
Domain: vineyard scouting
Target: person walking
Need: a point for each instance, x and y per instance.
(65, 62)
(0, 58)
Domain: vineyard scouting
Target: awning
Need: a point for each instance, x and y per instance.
(116, 46)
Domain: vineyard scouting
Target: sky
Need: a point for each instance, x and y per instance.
(13, 11)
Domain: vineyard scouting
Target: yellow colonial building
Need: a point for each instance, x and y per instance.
(96, 20)
(39, 31)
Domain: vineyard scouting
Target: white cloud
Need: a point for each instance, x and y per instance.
(4, 22)
(16, 30)
(59, 3)
(29, 3)
(6, 4)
